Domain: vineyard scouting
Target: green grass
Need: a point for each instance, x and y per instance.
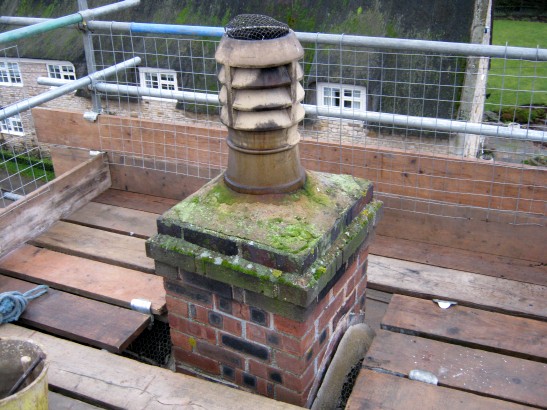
(513, 82)
(29, 167)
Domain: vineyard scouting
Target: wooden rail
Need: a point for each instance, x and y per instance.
(472, 182)
(37, 212)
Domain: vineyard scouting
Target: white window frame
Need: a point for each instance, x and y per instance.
(158, 79)
(61, 71)
(12, 125)
(10, 74)
(343, 97)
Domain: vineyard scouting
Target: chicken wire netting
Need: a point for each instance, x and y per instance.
(153, 345)
(24, 164)
(347, 386)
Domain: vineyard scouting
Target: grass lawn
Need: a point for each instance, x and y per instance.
(29, 167)
(514, 82)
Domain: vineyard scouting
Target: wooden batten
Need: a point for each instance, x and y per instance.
(38, 211)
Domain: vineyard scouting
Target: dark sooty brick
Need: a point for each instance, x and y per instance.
(246, 347)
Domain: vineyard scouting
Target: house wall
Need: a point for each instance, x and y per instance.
(30, 70)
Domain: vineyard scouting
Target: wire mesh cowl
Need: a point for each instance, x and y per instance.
(255, 27)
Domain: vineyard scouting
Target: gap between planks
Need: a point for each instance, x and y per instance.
(485, 292)
(511, 335)
(103, 246)
(74, 317)
(100, 281)
(374, 390)
(473, 370)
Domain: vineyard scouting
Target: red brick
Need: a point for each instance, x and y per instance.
(256, 333)
(299, 384)
(329, 312)
(363, 254)
(292, 327)
(291, 363)
(259, 369)
(240, 310)
(344, 310)
(347, 277)
(265, 388)
(361, 285)
(323, 303)
(192, 294)
(220, 354)
(193, 328)
(289, 396)
(233, 326)
(323, 351)
(204, 363)
(199, 313)
(298, 346)
(182, 341)
(176, 306)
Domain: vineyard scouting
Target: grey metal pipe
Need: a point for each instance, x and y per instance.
(433, 124)
(52, 24)
(31, 102)
(428, 123)
(381, 43)
(89, 56)
(439, 47)
(188, 96)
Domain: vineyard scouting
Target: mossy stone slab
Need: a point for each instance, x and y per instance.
(283, 231)
(290, 291)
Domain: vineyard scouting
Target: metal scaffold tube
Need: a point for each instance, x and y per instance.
(441, 47)
(29, 103)
(433, 124)
(52, 24)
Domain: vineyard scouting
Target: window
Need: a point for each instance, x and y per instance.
(346, 97)
(12, 125)
(158, 79)
(10, 74)
(61, 71)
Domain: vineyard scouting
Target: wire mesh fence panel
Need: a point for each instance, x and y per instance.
(437, 132)
(466, 130)
(161, 132)
(24, 164)
(420, 159)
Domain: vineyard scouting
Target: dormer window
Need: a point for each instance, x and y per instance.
(61, 71)
(341, 96)
(158, 79)
(10, 74)
(12, 125)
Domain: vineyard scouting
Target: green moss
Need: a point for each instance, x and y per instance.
(537, 161)
(291, 237)
(220, 194)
